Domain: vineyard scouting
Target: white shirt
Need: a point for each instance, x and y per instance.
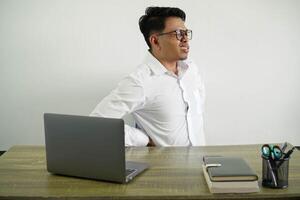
(166, 107)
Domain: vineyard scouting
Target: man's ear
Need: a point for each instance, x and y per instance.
(154, 41)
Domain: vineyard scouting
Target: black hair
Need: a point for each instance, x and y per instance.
(154, 20)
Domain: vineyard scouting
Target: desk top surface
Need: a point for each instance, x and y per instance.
(174, 173)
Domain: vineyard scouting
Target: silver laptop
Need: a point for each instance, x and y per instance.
(88, 147)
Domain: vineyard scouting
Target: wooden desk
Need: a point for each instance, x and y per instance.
(175, 173)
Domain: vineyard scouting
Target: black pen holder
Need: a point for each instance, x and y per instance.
(275, 173)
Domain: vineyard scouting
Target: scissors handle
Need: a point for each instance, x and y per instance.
(272, 152)
(277, 152)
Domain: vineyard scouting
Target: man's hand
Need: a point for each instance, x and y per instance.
(151, 143)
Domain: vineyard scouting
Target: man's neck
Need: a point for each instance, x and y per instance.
(169, 65)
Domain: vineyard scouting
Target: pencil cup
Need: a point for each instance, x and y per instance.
(275, 174)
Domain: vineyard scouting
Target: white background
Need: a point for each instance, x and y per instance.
(64, 56)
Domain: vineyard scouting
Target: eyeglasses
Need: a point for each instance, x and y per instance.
(180, 34)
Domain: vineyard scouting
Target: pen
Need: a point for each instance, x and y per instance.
(288, 154)
(283, 147)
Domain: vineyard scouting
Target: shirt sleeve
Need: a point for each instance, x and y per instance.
(125, 99)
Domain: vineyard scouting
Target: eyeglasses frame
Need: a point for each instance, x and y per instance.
(180, 32)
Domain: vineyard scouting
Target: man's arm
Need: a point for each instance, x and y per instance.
(125, 99)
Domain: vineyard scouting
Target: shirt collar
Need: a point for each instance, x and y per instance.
(158, 69)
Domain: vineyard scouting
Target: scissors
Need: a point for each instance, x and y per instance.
(271, 152)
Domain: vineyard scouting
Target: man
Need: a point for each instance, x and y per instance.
(165, 95)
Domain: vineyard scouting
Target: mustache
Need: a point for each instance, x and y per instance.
(184, 45)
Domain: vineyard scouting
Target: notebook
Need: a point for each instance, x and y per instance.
(230, 169)
(88, 147)
(229, 175)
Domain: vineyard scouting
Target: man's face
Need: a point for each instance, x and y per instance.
(171, 48)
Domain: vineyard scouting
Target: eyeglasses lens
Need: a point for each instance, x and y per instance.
(181, 33)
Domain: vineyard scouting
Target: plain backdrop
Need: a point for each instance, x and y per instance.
(64, 56)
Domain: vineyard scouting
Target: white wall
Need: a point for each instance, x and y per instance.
(65, 55)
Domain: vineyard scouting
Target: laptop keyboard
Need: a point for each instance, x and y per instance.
(130, 171)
